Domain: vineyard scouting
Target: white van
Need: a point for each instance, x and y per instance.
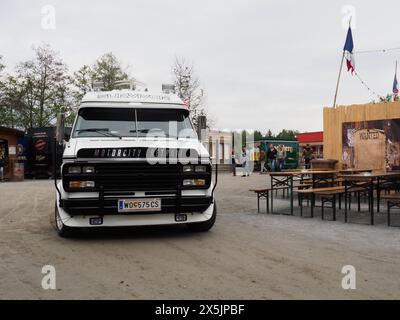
(134, 159)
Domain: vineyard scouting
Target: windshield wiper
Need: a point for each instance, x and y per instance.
(104, 131)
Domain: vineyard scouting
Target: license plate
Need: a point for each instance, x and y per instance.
(135, 205)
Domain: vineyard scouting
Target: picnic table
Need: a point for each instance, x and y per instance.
(377, 178)
(285, 179)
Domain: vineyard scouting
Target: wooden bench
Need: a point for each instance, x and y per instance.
(393, 200)
(330, 197)
(265, 193)
(325, 192)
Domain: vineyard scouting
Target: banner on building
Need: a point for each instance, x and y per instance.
(371, 144)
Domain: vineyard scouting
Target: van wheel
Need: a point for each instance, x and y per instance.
(63, 230)
(204, 226)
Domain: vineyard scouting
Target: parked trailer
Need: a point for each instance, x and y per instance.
(291, 147)
(39, 153)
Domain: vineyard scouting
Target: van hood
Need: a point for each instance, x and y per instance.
(74, 145)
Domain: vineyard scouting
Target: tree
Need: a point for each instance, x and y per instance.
(187, 86)
(38, 90)
(385, 99)
(287, 134)
(108, 70)
(257, 135)
(2, 66)
(11, 107)
(82, 81)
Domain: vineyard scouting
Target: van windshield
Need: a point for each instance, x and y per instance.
(127, 122)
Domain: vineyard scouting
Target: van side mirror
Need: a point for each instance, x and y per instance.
(67, 136)
(60, 128)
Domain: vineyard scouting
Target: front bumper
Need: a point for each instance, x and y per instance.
(109, 206)
(128, 220)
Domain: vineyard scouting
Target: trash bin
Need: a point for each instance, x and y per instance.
(323, 164)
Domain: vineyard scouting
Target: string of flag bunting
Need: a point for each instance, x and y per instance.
(368, 88)
(378, 50)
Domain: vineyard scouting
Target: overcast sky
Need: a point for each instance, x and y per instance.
(263, 64)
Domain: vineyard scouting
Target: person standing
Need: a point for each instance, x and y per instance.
(262, 161)
(233, 163)
(245, 160)
(271, 155)
(1, 167)
(281, 156)
(307, 156)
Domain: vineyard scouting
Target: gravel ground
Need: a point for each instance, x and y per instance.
(245, 256)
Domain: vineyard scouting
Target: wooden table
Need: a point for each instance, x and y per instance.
(285, 179)
(354, 171)
(378, 177)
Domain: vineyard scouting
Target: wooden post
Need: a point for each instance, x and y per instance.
(340, 72)
(337, 84)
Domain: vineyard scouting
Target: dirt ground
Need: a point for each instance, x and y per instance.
(245, 256)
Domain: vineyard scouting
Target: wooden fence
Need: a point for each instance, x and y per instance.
(334, 118)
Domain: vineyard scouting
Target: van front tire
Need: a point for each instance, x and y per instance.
(63, 230)
(204, 226)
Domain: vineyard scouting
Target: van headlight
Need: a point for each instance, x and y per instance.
(74, 170)
(201, 168)
(187, 168)
(197, 168)
(88, 169)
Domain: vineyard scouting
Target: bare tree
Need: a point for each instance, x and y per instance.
(187, 86)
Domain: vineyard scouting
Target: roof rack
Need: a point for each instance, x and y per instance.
(130, 84)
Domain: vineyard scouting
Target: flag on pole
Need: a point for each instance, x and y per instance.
(395, 89)
(348, 51)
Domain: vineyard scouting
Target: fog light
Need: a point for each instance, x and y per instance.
(88, 169)
(200, 169)
(74, 170)
(187, 168)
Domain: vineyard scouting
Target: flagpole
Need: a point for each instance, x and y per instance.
(337, 84)
(340, 72)
(395, 76)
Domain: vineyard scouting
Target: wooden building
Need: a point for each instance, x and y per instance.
(10, 149)
(315, 140)
(363, 136)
